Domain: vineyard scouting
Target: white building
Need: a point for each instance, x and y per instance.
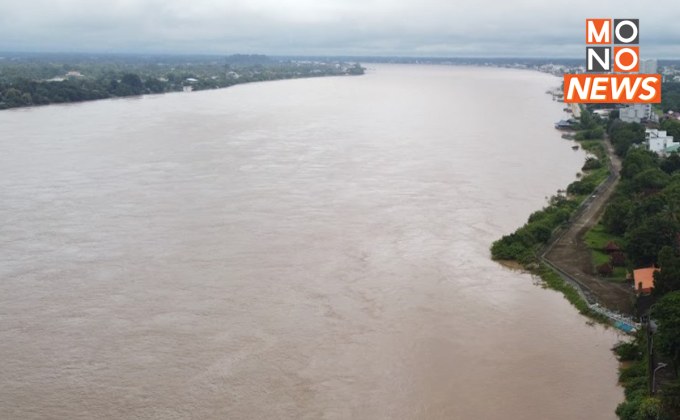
(648, 66)
(636, 113)
(603, 113)
(658, 141)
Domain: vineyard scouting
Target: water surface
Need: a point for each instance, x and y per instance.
(304, 249)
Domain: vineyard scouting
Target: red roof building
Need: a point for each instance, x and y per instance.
(644, 280)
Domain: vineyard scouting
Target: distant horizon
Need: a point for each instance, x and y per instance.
(328, 56)
(366, 28)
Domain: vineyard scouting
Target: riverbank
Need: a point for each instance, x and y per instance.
(569, 255)
(48, 80)
(560, 257)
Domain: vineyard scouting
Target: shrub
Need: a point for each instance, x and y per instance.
(626, 351)
(605, 269)
(582, 187)
(617, 259)
(540, 231)
(591, 163)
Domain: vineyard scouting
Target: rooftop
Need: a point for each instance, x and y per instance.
(644, 279)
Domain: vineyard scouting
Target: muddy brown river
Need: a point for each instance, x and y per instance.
(303, 249)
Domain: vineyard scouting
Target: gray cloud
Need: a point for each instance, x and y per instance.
(353, 27)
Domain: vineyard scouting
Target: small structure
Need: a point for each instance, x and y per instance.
(603, 113)
(643, 279)
(611, 247)
(672, 149)
(658, 141)
(565, 124)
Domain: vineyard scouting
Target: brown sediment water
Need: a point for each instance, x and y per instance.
(304, 249)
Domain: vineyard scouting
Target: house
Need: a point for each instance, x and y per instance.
(565, 124)
(658, 141)
(643, 279)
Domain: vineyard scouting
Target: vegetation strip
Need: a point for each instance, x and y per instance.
(28, 81)
(639, 228)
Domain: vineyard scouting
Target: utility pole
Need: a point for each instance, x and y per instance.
(660, 366)
(651, 367)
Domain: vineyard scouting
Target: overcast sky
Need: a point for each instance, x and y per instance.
(528, 28)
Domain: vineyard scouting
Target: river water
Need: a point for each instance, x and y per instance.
(304, 249)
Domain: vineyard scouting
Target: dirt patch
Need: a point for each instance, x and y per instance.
(512, 265)
(571, 255)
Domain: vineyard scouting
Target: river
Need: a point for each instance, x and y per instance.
(301, 249)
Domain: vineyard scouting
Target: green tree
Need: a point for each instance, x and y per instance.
(666, 313)
(670, 96)
(646, 240)
(587, 121)
(668, 278)
(636, 161)
(670, 400)
(672, 127)
(652, 179)
(623, 135)
(671, 163)
(616, 215)
(12, 97)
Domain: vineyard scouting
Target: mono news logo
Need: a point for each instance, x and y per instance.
(612, 66)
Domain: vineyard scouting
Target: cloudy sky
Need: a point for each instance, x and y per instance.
(529, 28)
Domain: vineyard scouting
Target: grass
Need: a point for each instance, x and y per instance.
(596, 239)
(599, 175)
(596, 148)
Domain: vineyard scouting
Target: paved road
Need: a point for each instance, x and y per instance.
(571, 256)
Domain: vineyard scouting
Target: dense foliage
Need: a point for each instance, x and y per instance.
(39, 81)
(645, 211)
(522, 244)
(591, 163)
(670, 98)
(645, 208)
(623, 135)
(634, 378)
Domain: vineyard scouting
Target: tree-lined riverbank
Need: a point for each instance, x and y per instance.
(45, 79)
(630, 222)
